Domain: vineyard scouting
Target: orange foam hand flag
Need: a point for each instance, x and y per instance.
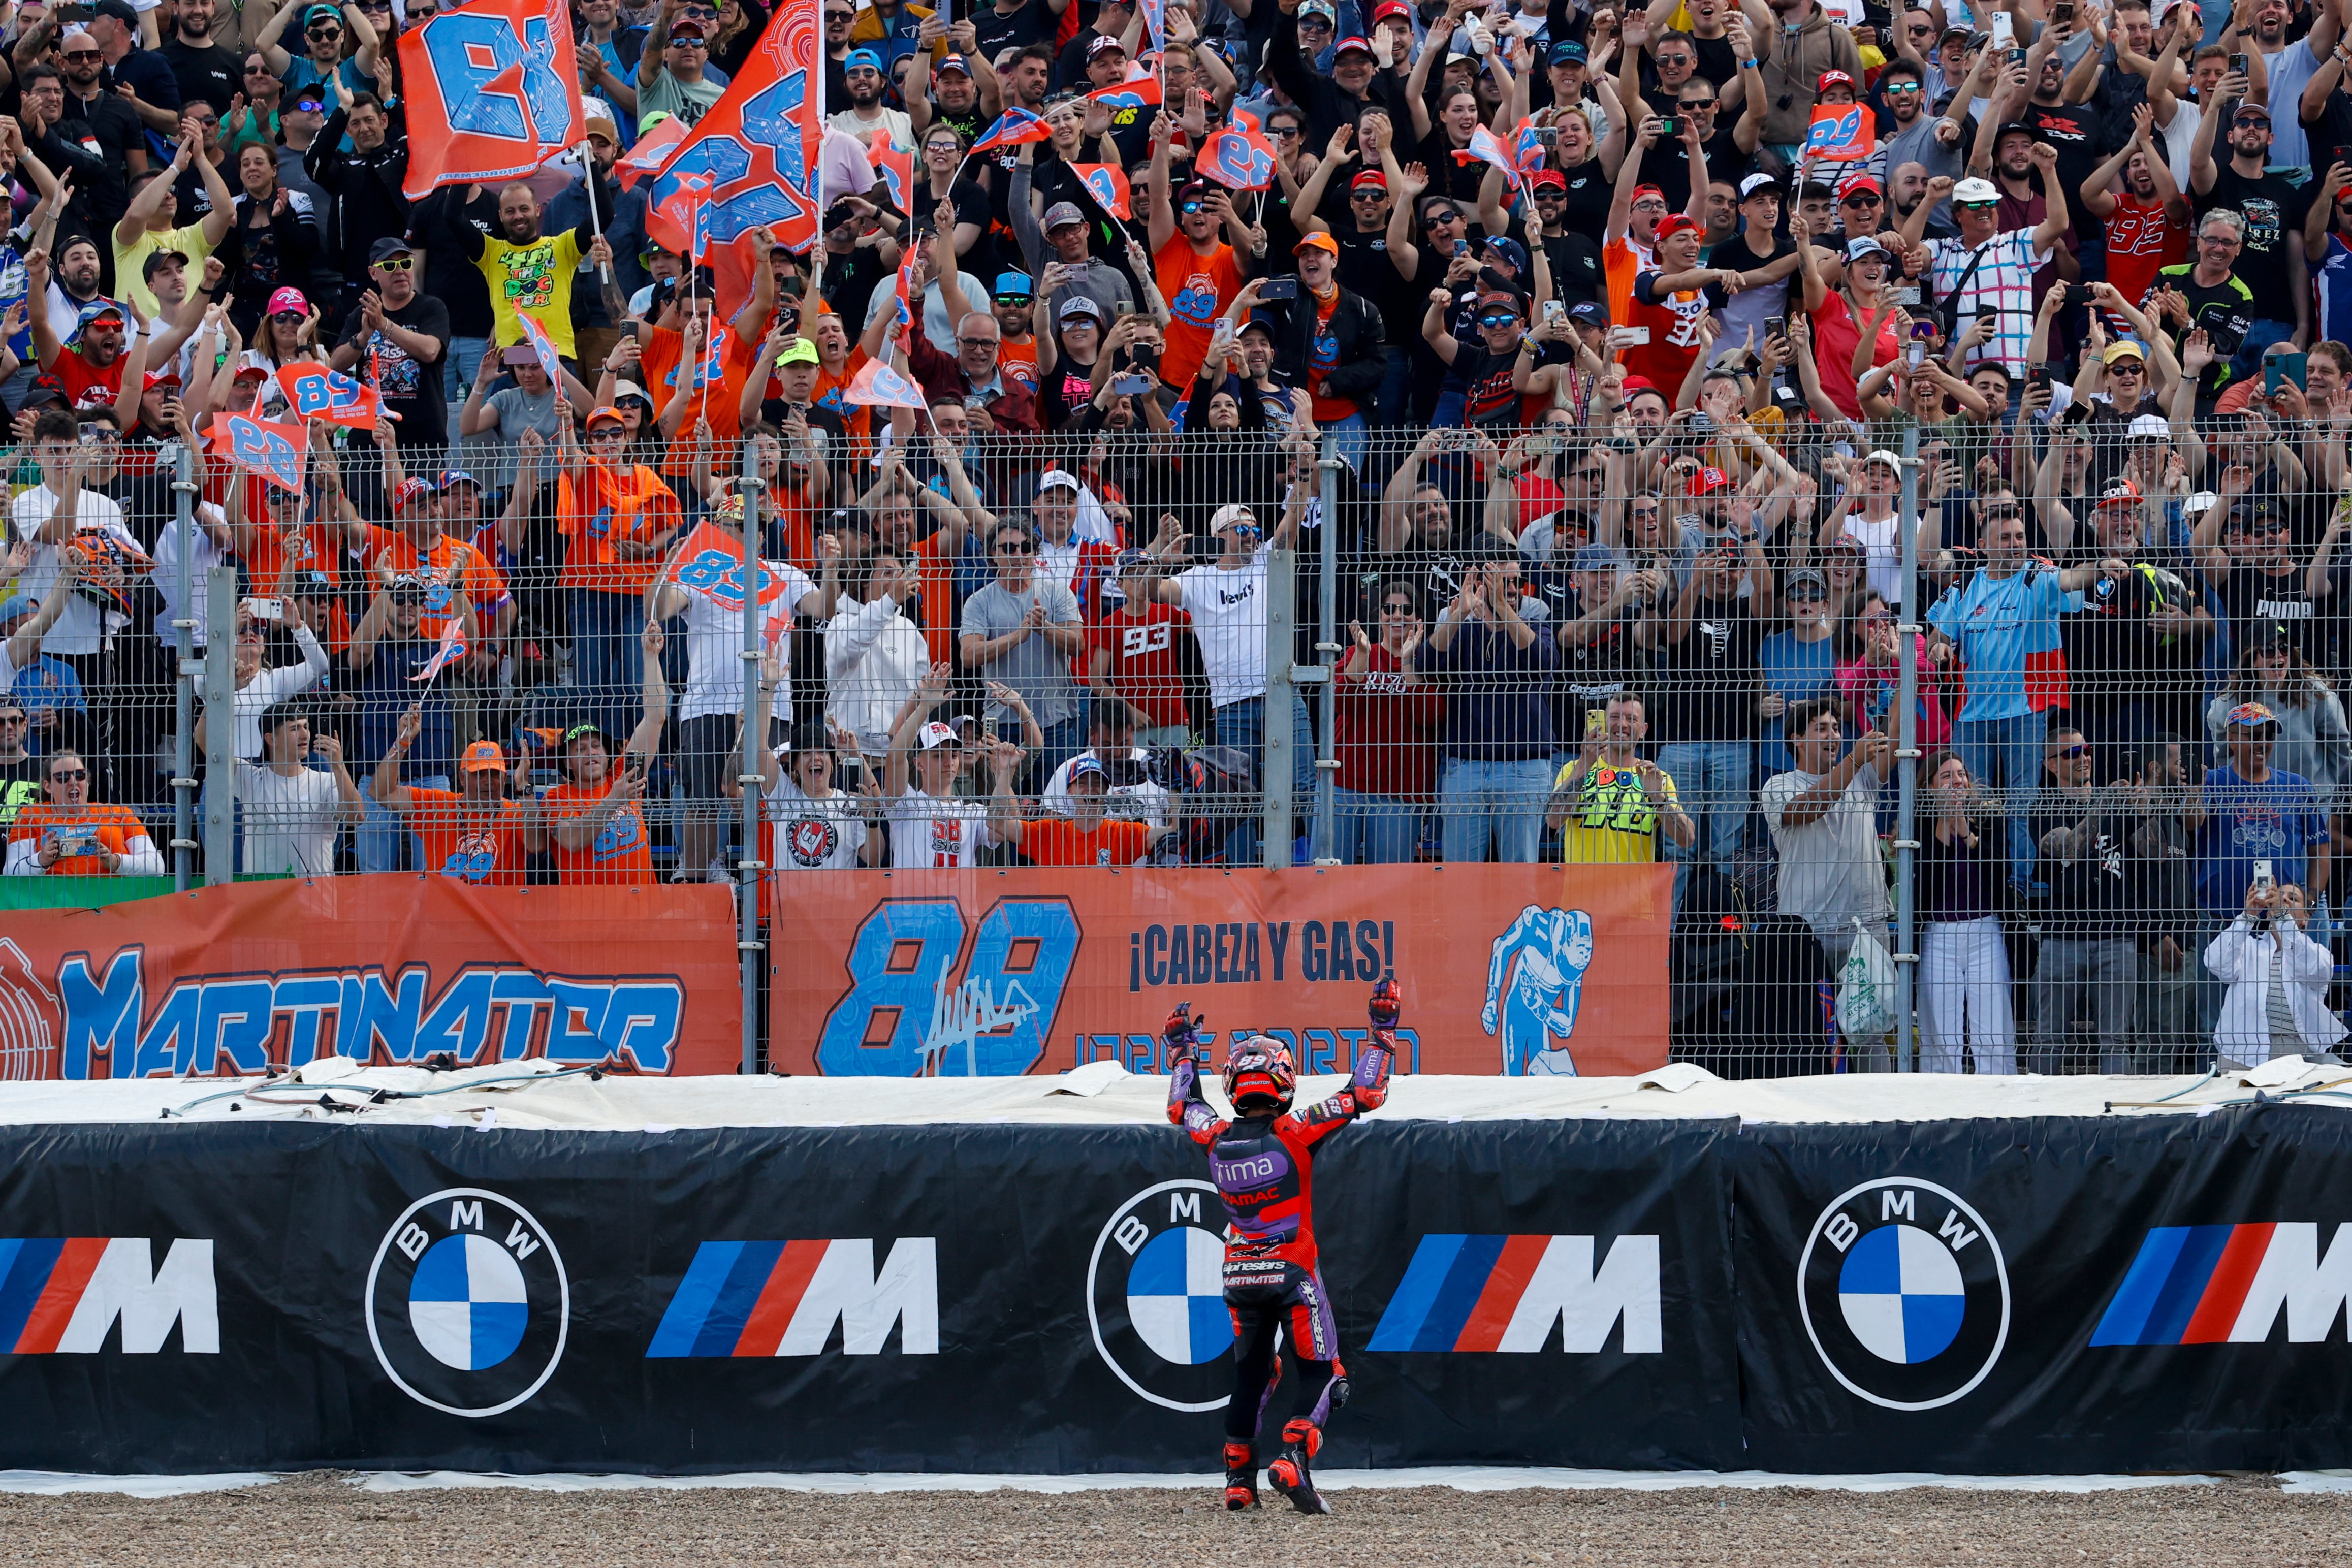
(314, 392)
(757, 146)
(1106, 183)
(277, 452)
(493, 89)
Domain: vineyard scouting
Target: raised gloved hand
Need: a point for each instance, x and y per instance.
(1387, 1004)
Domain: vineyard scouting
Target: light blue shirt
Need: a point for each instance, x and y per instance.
(1998, 623)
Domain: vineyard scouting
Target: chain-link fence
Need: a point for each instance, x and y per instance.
(2063, 787)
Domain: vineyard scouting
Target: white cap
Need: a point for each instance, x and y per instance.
(1883, 455)
(1229, 515)
(1976, 191)
(935, 734)
(1057, 479)
(2149, 427)
(2202, 501)
(1755, 182)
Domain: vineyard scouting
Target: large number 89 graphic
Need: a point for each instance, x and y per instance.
(995, 1020)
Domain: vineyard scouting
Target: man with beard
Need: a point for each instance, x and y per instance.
(148, 225)
(2029, 191)
(2072, 128)
(2270, 260)
(603, 316)
(525, 270)
(862, 76)
(958, 90)
(1915, 135)
(609, 53)
(103, 125)
(364, 184)
(2289, 68)
(2147, 221)
(1339, 98)
(205, 68)
(144, 82)
(396, 337)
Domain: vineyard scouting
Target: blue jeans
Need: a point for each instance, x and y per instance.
(2248, 361)
(1241, 726)
(1712, 780)
(459, 366)
(1063, 741)
(1348, 441)
(608, 663)
(380, 831)
(1497, 802)
(1374, 830)
(2006, 754)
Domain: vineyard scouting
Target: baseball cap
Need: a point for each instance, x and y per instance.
(2196, 506)
(2149, 427)
(1086, 768)
(1755, 182)
(799, 352)
(1707, 481)
(158, 379)
(1675, 223)
(2249, 715)
(1860, 183)
(1879, 454)
(1057, 479)
(1232, 513)
(865, 58)
(934, 735)
(1129, 561)
(603, 411)
(1806, 574)
(453, 477)
(484, 757)
(1368, 180)
(1323, 8)
(951, 63)
(254, 363)
(580, 731)
(44, 389)
(1510, 250)
(1861, 246)
(307, 98)
(1388, 9)
(157, 260)
(1061, 215)
(410, 492)
(1103, 44)
(1318, 240)
(680, 26)
(2248, 109)
(2119, 493)
(1567, 51)
(1590, 311)
(1976, 191)
(1548, 177)
(121, 10)
(1014, 286)
(97, 311)
(289, 299)
(1829, 80)
(1354, 45)
(1594, 558)
(2124, 349)
(1079, 305)
(389, 246)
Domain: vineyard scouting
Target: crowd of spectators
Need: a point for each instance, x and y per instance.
(1606, 454)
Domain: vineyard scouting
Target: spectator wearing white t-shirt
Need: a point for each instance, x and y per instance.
(711, 709)
(1227, 601)
(1824, 814)
(931, 827)
(814, 826)
(294, 812)
(875, 655)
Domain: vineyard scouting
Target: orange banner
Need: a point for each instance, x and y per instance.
(1505, 969)
(231, 980)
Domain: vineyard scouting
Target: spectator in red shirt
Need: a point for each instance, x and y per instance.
(1387, 737)
(1085, 836)
(975, 377)
(1134, 653)
(90, 360)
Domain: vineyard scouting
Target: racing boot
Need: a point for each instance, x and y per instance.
(1288, 1473)
(1241, 1476)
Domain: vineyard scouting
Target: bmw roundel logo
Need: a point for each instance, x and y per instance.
(1155, 1296)
(1904, 1293)
(468, 1303)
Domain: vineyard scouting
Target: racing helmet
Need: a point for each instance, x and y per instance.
(1259, 1072)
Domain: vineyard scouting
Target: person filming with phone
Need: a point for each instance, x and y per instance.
(67, 834)
(2277, 975)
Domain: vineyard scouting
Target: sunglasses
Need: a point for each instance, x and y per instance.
(1999, 514)
(1435, 220)
(82, 55)
(394, 263)
(322, 34)
(2071, 752)
(1189, 208)
(978, 342)
(1503, 320)
(1368, 195)
(1392, 608)
(69, 775)
(12, 718)
(2261, 529)
(293, 318)
(1897, 89)
(1591, 474)
(1860, 199)
(1975, 207)
(1284, 131)
(687, 42)
(1020, 548)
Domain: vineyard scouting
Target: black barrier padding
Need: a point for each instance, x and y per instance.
(1440, 1240)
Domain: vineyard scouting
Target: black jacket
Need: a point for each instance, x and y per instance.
(366, 186)
(1326, 105)
(1357, 364)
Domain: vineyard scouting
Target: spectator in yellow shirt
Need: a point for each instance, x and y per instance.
(1608, 805)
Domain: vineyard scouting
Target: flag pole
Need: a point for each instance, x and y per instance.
(596, 222)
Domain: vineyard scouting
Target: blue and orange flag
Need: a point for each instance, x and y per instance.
(652, 150)
(542, 346)
(897, 168)
(1842, 132)
(1106, 183)
(877, 385)
(1135, 92)
(1013, 127)
(1238, 157)
(758, 145)
(493, 92)
(1486, 147)
(314, 392)
(277, 452)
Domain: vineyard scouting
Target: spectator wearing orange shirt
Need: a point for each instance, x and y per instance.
(617, 519)
(69, 834)
(590, 824)
(1017, 344)
(694, 368)
(474, 833)
(1085, 836)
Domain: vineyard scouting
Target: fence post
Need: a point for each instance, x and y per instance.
(748, 863)
(1277, 828)
(220, 725)
(1326, 840)
(184, 636)
(1907, 765)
